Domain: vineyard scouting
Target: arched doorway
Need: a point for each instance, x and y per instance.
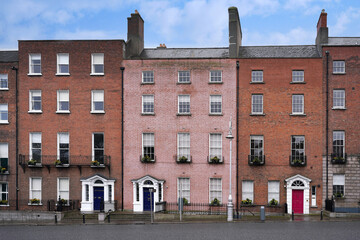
(297, 194)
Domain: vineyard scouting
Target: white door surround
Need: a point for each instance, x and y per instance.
(138, 191)
(88, 184)
(298, 182)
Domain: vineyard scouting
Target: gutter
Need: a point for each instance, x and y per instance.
(237, 136)
(327, 125)
(16, 138)
(122, 137)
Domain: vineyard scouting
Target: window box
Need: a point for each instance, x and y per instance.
(34, 163)
(4, 203)
(183, 159)
(297, 161)
(247, 202)
(34, 201)
(96, 163)
(215, 202)
(62, 163)
(215, 160)
(256, 160)
(338, 195)
(147, 159)
(273, 203)
(338, 158)
(4, 170)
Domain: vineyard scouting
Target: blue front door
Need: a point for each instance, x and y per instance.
(147, 199)
(98, 198)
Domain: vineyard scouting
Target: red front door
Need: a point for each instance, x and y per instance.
(298, 201)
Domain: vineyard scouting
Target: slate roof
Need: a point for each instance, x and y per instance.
(302, 51)
(343, 41)
(175, 53)
(9, 56)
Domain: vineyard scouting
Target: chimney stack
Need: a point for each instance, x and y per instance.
(135, 37)
(322, 30)
(235, 34)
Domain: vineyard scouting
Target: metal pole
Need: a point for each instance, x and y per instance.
(230, 205)
(180, 201)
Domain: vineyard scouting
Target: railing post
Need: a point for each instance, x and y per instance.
(55, 218)
(292, 215)
(84, 218)
(321, 215)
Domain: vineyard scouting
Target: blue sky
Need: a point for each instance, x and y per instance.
(190, 23)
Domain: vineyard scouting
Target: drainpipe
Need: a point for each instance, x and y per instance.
(16, 138)
(237, 136)
(327, 125)
(122, 137)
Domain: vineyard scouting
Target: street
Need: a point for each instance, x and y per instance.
(240, 230)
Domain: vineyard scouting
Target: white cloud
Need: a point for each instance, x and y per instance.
(344, 19)
(86, 34)
(297, 36)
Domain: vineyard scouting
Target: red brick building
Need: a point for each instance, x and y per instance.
(8, 78)
(341, 124)
(70, 123)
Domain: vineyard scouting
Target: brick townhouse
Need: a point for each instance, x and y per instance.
(341, 83)
(8, 135)
(110, 121)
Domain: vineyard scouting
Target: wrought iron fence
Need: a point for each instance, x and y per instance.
(197, 209)
(76, 160)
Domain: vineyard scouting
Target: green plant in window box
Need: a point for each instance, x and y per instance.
(273, 202)
(58, 162)
(215, 159)
(338, 159)
(146, 158)
(3, 170)
(297, 161)
(183, 159)
(63, 201)
(215, 202)
(32, 162)
(256, 160)
(185, 201)
(246, 202)
(4, 202)
(34, 201)
(95, 163)
(338, 195)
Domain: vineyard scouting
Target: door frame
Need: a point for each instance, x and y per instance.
(292, 184)
(302, 193)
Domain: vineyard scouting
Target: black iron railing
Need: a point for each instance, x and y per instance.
(215, 159)
(297, 161)
(338, 158)
(183, 158)
(255, 160)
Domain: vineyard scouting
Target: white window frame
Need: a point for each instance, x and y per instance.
(143, 145)
(4, 78)
(185, 190)
(257, 76)
(59, 142)
(181, 99)
(4, 153)
(148, 99)
(213, 148)
(31, 147)
(63, 95)
(213, 76)
(62, 59)
(31, 190)
(313, 196)
(274, 191)
(214, 191)
(247, 193)
(184, 77)
(339, 67)
(93, 145)
(335, 134)
(6, 192)
(297, 150)
(339, 97)
(62, 192)
(298, 76)
(4, 110)
(255, 103)
(94, 92)
(339, 180)
(215, 99)
(257, 138)
(147, 77)
(294, 104)
(93, 63)
(31, 95)
(34, 56)
(184, 146)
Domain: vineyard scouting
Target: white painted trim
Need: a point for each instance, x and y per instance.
(138, 206)
(306, 194)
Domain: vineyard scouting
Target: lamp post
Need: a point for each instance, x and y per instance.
(230, 205)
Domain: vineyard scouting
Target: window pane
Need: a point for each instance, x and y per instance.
(257, 104)
(256, 76)
(215, 103)
(148, 76)
(298, 103)
(184, 145)
(184, 76)
(215, 76)
(298, 76)
(184, 104)
(247, 190)
(3, 81)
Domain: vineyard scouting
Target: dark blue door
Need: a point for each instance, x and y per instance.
(98, 198)
(147, 199)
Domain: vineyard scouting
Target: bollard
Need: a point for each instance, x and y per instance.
(84, 218)
(109, 218)
(55, 218)
(262, 213)
(321, 215)
(292, 215)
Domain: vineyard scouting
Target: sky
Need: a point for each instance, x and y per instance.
(178, 24)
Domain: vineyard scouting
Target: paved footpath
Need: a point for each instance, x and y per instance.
(279, 230)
